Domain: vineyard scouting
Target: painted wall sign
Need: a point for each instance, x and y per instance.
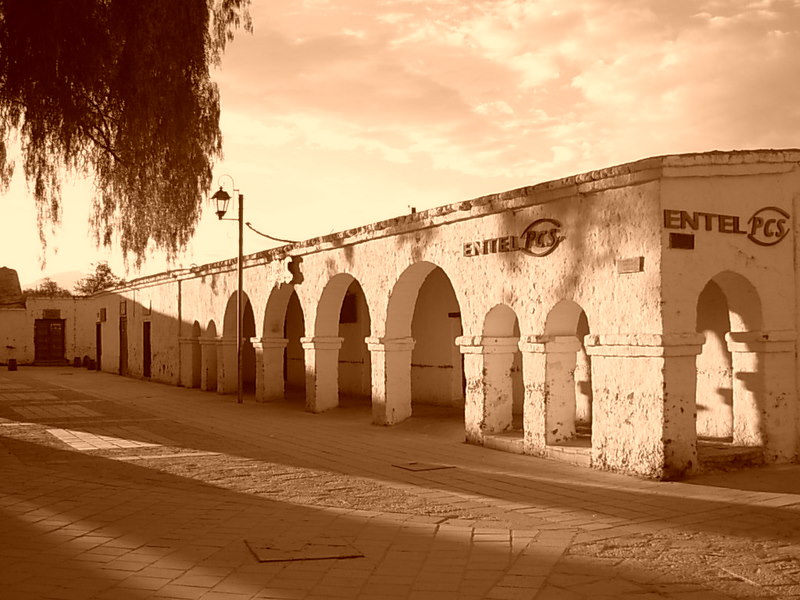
(767, 226)
(540, 238)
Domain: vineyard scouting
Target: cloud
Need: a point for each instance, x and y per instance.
(513, 89)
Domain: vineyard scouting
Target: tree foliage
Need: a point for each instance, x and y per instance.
(102, 279)
(47, 288)
(118, 90)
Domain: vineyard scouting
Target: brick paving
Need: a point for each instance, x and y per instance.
(152, 490)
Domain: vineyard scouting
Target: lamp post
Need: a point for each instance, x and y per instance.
(222, 199)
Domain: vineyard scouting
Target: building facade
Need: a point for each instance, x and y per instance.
(614, 318)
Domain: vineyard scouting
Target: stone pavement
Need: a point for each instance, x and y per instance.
(115, 488)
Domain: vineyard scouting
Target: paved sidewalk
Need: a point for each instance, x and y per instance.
(114, 488)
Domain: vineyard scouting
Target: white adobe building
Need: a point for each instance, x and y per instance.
(613, 318)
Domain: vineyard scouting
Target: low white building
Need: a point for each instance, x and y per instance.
(614, 317)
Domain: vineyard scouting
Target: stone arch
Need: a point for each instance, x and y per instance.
(294, 364)
(437, 368)
(730, 392)
(329, 306)
(563, 318)
(744, 301)
(280, 364)
(228, 381)
(337, 356)
(403, 298)
(275, 312)
(568, 373)
(501, 321)
(417, 358)
(354, 358)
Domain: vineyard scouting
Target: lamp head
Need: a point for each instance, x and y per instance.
(222, 198)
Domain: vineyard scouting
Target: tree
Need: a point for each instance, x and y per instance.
(47, 288)
(102, 279)
(120, 91)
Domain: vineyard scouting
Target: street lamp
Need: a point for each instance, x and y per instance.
(222, 198)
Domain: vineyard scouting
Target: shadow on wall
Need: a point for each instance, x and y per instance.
(731, 390)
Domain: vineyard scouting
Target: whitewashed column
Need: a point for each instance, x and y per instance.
(390, 360)
(644, 402)
(188, 347)
(208, 364)
(227, 373)
(489, 399)
(764, 393)
(534, 411)
(269, 368)
(322, 372)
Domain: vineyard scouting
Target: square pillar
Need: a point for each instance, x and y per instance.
(550, 404)
(534, 412)
(645, 402)
(764, 393)
(227, 374)
(561, 353)
(189, 346)
(390, 360)
(322, 372)
(208, 364)
(269, 368)
(489, 400)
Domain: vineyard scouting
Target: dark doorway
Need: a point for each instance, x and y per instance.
(48, 340)
(123, 345)
(146, 353)
(98, 342)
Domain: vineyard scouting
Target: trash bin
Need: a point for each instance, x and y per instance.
(76, 362)
(12, 364)
(92, 364)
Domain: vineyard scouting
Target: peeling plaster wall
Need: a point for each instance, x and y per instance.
(758, 283)
(640, 298)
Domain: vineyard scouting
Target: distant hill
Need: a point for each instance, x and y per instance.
(65, 279)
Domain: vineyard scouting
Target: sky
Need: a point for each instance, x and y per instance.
(341, 113)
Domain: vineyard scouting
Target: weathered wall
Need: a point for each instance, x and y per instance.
(16, 336)
(739, 210)
(598, 262)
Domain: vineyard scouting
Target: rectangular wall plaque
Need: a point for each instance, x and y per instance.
(683, 241)
(630, 265)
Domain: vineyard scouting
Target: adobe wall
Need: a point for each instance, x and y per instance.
(558, 304)
(17, 327)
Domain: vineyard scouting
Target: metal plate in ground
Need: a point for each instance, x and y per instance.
(420, 466)
(275, 550)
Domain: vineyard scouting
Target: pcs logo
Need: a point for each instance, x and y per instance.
(768, 226)
(541, 237)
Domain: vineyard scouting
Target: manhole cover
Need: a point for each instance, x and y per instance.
(291, 550)
(420, 466)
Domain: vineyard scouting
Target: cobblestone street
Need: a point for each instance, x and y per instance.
(116, 488)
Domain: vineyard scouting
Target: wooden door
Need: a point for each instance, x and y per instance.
(98, 340)
(48, 340)
(146, 351)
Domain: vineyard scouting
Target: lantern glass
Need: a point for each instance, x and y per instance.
(222, 199)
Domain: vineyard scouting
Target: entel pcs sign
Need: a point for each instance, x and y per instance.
(767, 226)
(540, 238)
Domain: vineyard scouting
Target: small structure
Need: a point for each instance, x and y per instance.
(38, 329)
